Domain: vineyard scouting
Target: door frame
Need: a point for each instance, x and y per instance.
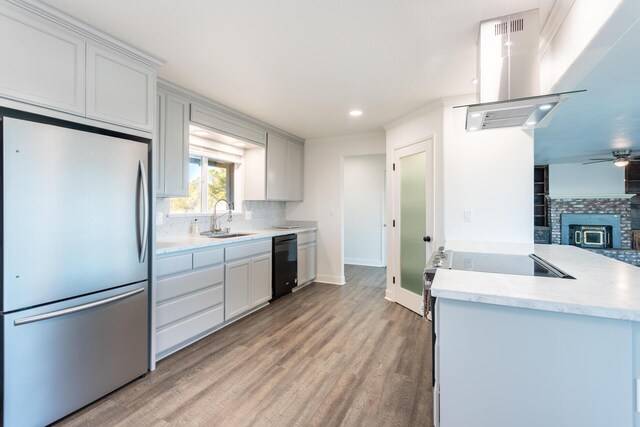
(403, 297)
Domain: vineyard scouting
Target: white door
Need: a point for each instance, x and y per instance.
(414, 220)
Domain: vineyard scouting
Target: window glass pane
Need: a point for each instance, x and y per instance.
(219, 184)
(191, 203)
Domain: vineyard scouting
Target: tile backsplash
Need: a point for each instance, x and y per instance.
(263, 215)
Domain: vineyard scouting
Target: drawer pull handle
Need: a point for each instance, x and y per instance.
(75, 309)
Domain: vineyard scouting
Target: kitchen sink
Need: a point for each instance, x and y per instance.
(225, 236)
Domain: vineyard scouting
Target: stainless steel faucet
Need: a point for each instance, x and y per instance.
(215, 226)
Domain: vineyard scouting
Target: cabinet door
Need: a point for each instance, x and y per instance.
(302, 264)
(119, 90)
(311, 262)
(237, 297)
(227, 124)
(261, 291)
(295, 154)
(41, 63)
(276, 168)
(158, 167)
(176, 146)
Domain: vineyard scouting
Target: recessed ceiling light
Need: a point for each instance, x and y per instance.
(355, 113)
(545, 107)
(200, 132)
(476, 114)
(473, 128)
(531, 123)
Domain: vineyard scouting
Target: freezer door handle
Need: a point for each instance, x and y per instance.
(77, 308)
(145, 212)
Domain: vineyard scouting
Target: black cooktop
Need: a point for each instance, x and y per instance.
(523, 265)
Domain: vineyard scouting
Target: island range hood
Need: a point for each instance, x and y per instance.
(509, 76)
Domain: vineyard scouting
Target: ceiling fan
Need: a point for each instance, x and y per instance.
(621, 158)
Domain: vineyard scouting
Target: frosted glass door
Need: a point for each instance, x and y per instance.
(413, 220)
(413, 217)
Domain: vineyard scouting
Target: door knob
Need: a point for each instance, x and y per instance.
(427, 239)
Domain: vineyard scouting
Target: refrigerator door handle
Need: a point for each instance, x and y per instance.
(75, 309)
(145, 212)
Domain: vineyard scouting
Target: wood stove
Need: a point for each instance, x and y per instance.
(591, 236)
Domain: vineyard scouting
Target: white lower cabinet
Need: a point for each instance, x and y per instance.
(248, 280)
(237, 299)
(306, 257)
(197, 292)
(261, 291)
(189, 298)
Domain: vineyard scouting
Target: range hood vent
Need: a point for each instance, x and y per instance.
(509, 76)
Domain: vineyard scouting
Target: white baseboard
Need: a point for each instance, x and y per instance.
(365, 262)
(332, 280)
(388, 295)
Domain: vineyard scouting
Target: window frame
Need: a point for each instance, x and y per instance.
(204, 184)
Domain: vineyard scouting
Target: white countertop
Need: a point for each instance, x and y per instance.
(183, 243)
(604, 287)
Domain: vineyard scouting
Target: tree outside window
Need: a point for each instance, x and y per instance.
(207, 185)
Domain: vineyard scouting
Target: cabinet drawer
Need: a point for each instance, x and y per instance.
(182, 332)
(174, 265)
(304, 238)
(208, 258)
(227, 124)
(173, 287)
(179, 308)
(247, 250)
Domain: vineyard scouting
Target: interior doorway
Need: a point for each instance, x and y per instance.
(365, 210)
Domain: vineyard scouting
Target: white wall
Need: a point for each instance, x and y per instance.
(490, 173)
(364, 187)
(487, 172)
(586, 181)
(323, 199)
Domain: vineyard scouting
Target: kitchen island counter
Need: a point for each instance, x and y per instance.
(531, 350)
(603, 287)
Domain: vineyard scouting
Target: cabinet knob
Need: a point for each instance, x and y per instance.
(427, 239)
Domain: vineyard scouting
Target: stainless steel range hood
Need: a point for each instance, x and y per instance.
(509, 76)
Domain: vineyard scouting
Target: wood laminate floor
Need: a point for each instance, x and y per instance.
(323, 356)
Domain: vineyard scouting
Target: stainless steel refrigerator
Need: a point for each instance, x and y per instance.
(75, 223)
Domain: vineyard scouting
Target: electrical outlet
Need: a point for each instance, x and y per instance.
(468, 215)
(247, 215)
(159, 218)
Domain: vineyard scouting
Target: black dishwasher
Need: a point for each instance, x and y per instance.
(285, 265)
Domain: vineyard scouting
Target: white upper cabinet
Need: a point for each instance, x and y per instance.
(42, 64)
(119, 90)
(53, 63)
(173, 144)
(276, 168)
(227, 124)
(295, 160)
(284, 169)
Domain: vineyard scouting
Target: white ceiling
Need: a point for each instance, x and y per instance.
(301, 65)
(606, 117)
